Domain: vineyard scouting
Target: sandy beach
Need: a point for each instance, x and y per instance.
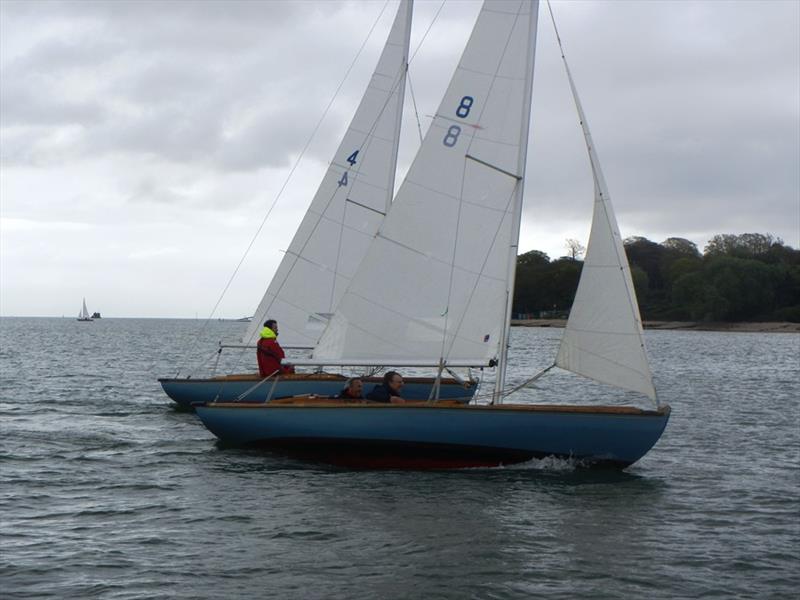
(776, 327)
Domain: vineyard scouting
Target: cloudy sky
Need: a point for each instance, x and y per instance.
(142, 143)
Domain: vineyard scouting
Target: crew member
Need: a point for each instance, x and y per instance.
(269, 352)
(354, 390)
(389, 390)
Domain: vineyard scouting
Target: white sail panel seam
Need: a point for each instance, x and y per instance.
(438, 260)
(613, 362)
(508, 12)
(341, 223)
(366, 133)
(483, 266)
(422, 323)
(503, 77)
(381, 338)
(456, 198)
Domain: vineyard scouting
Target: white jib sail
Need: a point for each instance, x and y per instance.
(603, 339)
(347, 208)
(433, 283)
(84, 311)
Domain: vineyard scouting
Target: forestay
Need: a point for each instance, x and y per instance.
(603, 339)
(347, 208)
(434, 282)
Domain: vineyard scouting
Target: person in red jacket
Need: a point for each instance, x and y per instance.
(269, 352)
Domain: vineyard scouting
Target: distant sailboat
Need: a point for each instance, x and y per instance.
(435, 288)
(83, 315)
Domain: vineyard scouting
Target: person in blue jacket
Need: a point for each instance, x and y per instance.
(388, 391)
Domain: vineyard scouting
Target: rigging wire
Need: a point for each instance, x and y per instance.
(427, 31)
(414, 103)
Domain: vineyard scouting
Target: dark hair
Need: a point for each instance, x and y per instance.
(351, 381)
(389, 375)
(270, 323)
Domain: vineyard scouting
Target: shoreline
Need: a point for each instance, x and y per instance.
(765, 327)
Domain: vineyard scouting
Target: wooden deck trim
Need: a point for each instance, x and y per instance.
(305, 377)
(449, 404)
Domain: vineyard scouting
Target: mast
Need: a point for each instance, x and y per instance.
(517, 209)
(401, 94)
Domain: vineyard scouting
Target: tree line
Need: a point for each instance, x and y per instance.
(747, 277)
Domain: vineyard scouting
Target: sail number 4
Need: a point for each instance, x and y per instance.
(352, 160)
(462, 112)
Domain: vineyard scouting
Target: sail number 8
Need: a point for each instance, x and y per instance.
(462, 112)
(463, 109)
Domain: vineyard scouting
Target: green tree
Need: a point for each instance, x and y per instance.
(696, 299)
(681, 247)
(745, 284)
(745, 245)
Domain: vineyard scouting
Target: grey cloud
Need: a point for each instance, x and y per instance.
(148, 189)
(163, 96)
(33, 105)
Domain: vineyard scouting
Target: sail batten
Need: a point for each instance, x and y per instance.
(348, 206)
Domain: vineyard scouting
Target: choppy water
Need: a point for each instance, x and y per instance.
(107, 492)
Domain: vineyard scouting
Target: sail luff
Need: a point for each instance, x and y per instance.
(603, 339)
(516, 217)
(346, 209)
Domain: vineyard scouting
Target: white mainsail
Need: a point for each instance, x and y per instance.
(603, 339)
(434, 282)
(348, 207)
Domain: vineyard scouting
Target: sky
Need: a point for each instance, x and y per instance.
(143, 143)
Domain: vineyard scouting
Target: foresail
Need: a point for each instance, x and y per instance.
(434, 282)
(603, 339)
(347, 208)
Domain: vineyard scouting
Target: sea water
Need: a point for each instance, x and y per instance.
(109, 492)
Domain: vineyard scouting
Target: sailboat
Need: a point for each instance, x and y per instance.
(83, 314)
(335, 233)
(436, 285)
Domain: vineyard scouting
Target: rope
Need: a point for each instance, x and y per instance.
(414, 103)
(250, 389)
(527, 382)
(424, 35)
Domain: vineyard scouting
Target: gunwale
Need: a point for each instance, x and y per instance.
(449, 404)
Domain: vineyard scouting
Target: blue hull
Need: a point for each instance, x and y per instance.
(443, 436)
(188, 392)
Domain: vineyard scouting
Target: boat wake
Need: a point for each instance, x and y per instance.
(550, 463)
